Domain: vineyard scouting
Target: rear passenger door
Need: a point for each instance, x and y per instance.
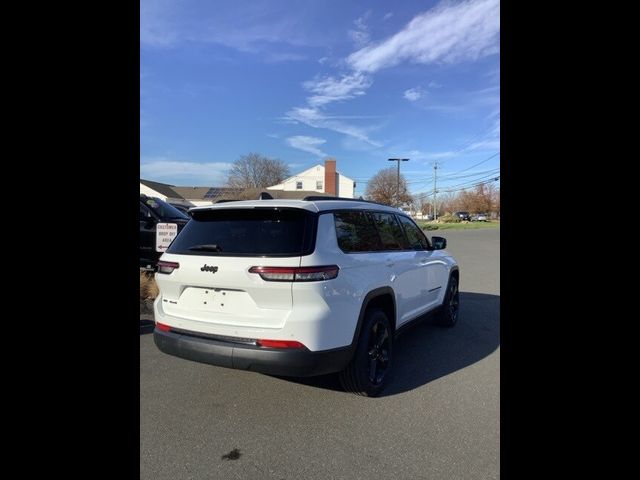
(433, 270)
(407, 281)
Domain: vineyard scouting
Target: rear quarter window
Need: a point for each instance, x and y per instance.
(355, 232)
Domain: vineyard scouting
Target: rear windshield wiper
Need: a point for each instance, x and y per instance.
(207, 248)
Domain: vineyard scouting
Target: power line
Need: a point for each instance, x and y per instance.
(479, 163)
(463, 186)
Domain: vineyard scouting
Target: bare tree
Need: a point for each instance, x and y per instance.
(383, 188)
(447, 202)
(424, 205)
(256, 171)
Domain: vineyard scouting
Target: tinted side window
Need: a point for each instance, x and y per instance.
(416, 238)
(355, 232)
(390, 232)
(164, 210)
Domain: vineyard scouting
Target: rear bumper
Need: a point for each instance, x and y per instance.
(286, 362)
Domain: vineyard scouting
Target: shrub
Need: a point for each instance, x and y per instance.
(449, 219)
(430, 226)
(148, 287)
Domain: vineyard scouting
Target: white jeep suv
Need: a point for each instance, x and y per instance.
(301, 287)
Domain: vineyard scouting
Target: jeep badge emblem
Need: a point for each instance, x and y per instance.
(207, 268)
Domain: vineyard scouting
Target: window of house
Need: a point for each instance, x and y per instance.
(319, 185)
(298, 185)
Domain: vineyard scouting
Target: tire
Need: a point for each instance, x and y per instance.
(448, 315)
(368, 371)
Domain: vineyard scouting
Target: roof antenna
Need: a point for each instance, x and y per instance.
(265, 196)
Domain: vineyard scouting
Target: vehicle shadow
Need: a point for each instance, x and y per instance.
(426, 352)
(146, 326)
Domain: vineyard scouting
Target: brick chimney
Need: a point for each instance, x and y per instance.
(330, 177)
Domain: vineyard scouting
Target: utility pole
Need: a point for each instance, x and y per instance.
(435, 208)
(398, 187)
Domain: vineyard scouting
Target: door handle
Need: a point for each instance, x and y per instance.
(424, 261)
(389, 262)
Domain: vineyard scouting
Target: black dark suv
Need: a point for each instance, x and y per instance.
(463, 216)
(154, 211)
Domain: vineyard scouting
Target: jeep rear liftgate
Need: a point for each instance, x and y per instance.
(230, 295)
(221, 253)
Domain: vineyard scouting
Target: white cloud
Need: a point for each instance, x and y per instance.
(295, 166)
(307, 144)
(313, 117)
(323, 60)
(387, 16)
(331, 89)
(434, 84)
(439, 155)
(413, 94)
(360, 35)
(255, 27)
(156, 29)
(283, 57)
(491, 140)
(190, 173)
(419, 155)
(487, 144)
(447, 33)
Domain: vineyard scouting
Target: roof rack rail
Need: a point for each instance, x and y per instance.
(315, 198)
(227, 200)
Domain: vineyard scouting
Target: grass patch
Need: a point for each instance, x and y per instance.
(459, 226)
(148, 287)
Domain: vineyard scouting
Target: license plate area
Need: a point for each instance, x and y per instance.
(212, 299)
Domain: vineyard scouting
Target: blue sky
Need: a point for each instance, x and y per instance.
(359, 81)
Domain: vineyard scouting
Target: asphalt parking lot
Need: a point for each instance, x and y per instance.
(438, 419)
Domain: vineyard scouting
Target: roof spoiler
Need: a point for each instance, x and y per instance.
(315, 198)
(262, 196)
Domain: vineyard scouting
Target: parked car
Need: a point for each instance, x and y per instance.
(463, 216)
(480, 217)
(183, 208)
(301, 288)
(154, 211)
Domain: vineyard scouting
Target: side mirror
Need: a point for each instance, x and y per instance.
(439, 243)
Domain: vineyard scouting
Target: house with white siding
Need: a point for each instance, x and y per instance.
(321, 179)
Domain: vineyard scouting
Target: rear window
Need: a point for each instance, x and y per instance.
(247, 232)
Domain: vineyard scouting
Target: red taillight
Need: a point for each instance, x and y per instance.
(279, 343)
(167, 267)
(296, 274)
(163, 327)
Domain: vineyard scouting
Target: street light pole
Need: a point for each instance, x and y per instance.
(398, 186)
